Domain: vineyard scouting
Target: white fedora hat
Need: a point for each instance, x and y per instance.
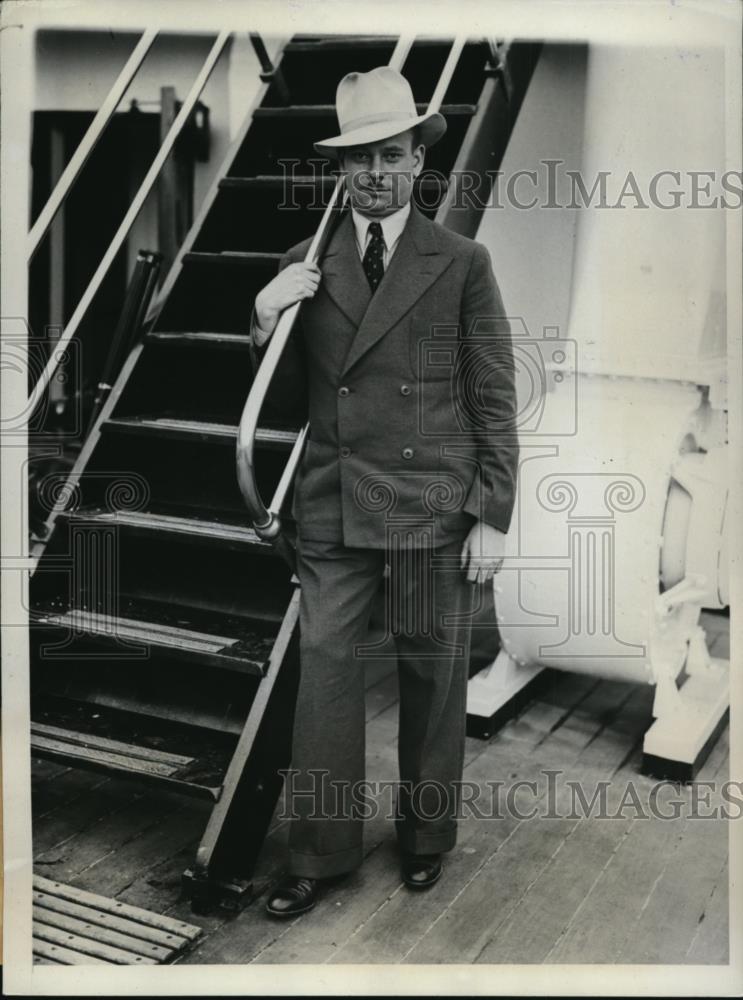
(375, 105)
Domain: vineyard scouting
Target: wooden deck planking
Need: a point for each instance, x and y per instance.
(466, 926)
(550, 710)
(44, 770)
(620, 739)
(591, 715)
(388, 934)
(525, 855)
(396, 927)
(665, 928)
(710, 944)
(388, 906)
(613, 738)
(563, 890)
(610, 910)
(80, 812)
(169, 834)
(52, 791)
(690, 870)
(552, 898)
(103, 839)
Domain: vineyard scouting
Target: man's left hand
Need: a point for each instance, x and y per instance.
(483, 552)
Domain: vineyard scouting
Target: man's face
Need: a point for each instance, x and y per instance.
(380, 175)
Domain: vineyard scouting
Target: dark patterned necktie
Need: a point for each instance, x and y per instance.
(374, 256)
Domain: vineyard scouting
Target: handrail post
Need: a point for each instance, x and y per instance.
(270, 73)
(131, 214)
(88, 142)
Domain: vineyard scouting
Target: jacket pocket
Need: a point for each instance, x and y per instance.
(433, 350)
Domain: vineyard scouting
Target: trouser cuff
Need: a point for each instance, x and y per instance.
(325, 865)
(424, 842)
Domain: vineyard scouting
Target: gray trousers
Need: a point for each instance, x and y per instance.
(428, 608)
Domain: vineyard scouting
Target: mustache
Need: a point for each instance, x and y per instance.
(389, 183)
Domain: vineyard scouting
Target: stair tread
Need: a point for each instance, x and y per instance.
(76, 746)
(310, 43)
(172, 760)
(264, 435)
(113, 740)
(231, 257)
(199, 337)
(155, 624)
(180, 523)
(292, 110)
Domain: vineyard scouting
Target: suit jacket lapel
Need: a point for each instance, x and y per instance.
(342, 273)
(416, 264)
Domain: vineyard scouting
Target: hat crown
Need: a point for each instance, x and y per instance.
(375, 105)
(382, 94)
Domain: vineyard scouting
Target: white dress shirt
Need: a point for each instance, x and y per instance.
(392, 227)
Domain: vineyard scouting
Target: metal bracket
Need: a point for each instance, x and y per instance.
(498, 66)
(207, 893)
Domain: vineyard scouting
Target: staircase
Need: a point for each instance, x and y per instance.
(163, 635)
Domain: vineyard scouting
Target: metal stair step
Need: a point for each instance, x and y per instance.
(78, 746)
(76, 755)
(196, 337)
(223, 650)
(328, 110)
(151, 521)
(324, 44)
(214, 289)
(234, 257)
(170, 762)
(111, 741)
(269, 437)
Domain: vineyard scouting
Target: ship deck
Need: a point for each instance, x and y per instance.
(559, 888)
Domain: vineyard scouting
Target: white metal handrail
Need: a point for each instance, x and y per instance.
(266, 521)
(128, 220)
(88, 142)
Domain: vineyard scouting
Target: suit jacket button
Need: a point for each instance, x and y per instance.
(344, 390)
(404, 390)
(407, 453)
(345, 452)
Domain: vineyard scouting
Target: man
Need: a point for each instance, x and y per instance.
(404, 357)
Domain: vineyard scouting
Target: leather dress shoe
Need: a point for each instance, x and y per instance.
(420, 871)
(294, 894)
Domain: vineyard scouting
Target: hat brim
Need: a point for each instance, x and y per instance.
(432, 127)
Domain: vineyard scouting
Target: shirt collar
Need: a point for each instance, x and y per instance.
(392, 226)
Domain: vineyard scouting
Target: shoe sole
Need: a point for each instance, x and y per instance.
(418, 887)
(284, 915)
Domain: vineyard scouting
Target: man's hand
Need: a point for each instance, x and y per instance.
(483, 552)
(295, 282)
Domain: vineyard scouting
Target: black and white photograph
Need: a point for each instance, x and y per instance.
(371, 497)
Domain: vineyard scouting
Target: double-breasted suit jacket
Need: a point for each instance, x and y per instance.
(409, 392)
